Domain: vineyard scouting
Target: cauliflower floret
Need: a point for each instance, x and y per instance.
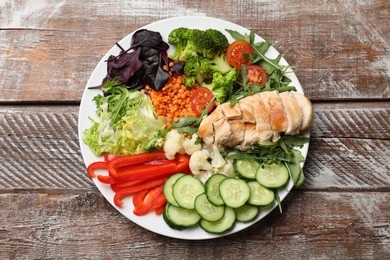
(173, 144)
(217, 160)
(227, 169)
(189, 145)
(199, 163)
(204, 176)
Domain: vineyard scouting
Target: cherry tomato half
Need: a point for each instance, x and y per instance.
(200, 98)
(234, 53)
(256, 74)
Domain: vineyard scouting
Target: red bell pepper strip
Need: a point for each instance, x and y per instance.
(139, 197)
(143, 207)
(151, 172)
(132, 190)
(94, 166)
(158, 162)
(124, 185)
(110, 156)
(160, 209)
(121, 161)
(144, 165)
(104, 179)
(158, 202)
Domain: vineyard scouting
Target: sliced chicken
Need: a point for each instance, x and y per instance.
(293, 113)
(223, 131)
(274, 105)
(306, 107)
(262, 116)
(247, 111)
(257, 118)
(251, 136)
(231, 112)
(237, 134)
(207, 131)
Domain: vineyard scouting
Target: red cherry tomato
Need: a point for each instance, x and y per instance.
(234, 53)
(199, 100)
(256, 74)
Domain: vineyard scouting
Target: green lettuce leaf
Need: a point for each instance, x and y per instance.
(127, 122)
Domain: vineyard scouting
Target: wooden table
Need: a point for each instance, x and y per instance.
(49, 208)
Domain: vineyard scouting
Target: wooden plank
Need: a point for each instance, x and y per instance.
(314, 225)
(40, 147)
(340, 51)
(369, 120)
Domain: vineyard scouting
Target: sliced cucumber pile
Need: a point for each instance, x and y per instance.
(221, 201)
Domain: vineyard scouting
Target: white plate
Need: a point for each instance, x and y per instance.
(87, 109)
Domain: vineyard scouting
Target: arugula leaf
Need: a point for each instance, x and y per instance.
(238, 36)
(245, 90)
(190, 124)
(280, 151)
(278, 201)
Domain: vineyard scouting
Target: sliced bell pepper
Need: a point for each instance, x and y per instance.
(121, 161)
(95, 166)
(139, 197)
(124, 185)
(137, 188)
(160, 209)
(158, 202)
(151, 172)
(149, 203)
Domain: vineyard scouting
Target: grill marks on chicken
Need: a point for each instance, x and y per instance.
(257, 118)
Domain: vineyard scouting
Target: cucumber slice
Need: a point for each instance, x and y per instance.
(212, 188)
(222, 225)
(246, 168)
(208, 210)
(180, 218)
(185, 190)
(272, 176)
(246, 213)
(168, 188)
(234, 192)
(260, 195)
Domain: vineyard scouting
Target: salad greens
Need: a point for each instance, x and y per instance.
(281, 151)
(141, 64)
(127, 122)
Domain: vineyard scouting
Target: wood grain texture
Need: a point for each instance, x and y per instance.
(50, 209)
(40, 147)
(339, 49)
(82, 225)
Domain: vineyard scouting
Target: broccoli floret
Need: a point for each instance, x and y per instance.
(210, 42)
(233, 75)
(219, 39)
(188, 42)
(203, 69)
(198, 67)
(219, 63)
(181, 38)
(204, 44)
(189, 81)
(222, 85)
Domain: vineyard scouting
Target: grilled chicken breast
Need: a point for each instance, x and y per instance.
(257, 118)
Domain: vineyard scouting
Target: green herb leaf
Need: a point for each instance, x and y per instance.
(236, 35)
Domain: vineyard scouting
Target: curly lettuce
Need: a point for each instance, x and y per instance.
(127, 122)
